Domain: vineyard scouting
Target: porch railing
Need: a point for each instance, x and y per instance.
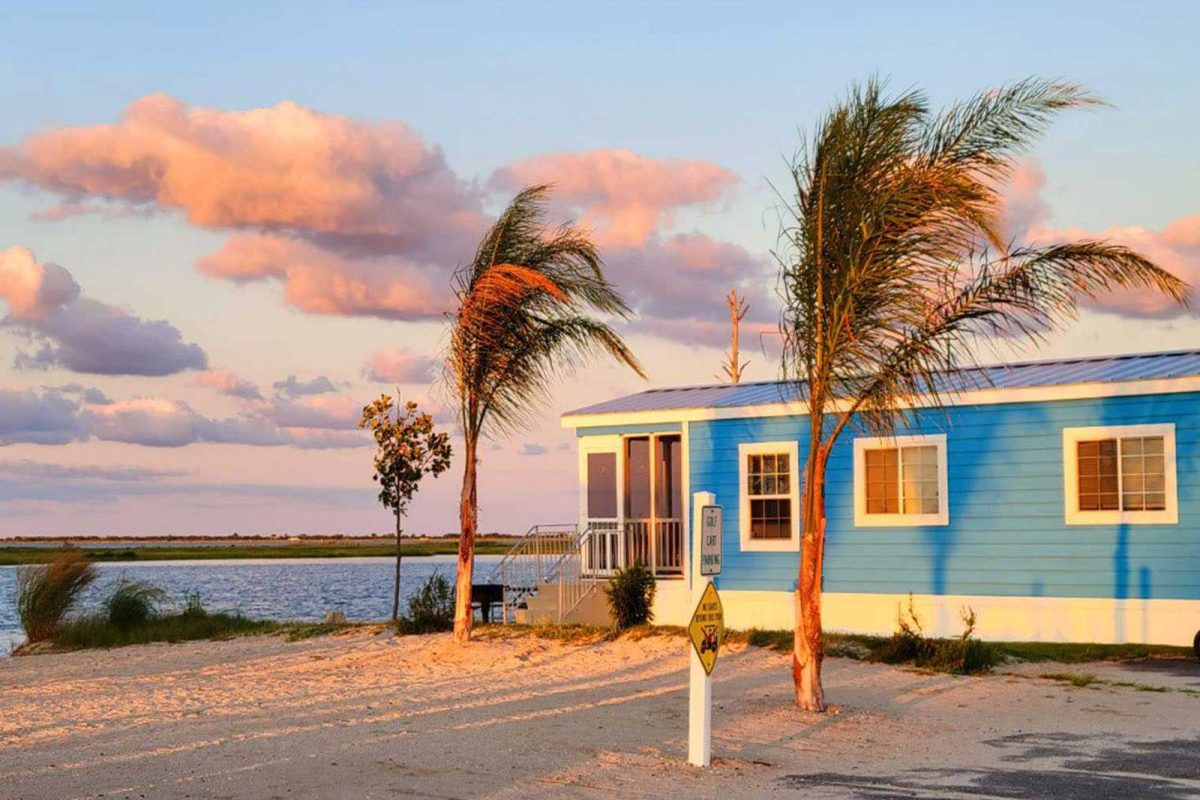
(655, 543)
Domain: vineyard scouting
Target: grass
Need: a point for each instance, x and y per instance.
(97, 632)
(17, 554)
(1077, 679)
(1085, 679)
(46, 592)
(860, 647)
(1065, 653)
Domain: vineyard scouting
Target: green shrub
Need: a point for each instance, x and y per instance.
(431, 609)
(133, 604)
(631, 596)
(965, 655)
(908, 644)
(46, 592)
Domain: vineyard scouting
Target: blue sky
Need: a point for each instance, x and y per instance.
(724, 84)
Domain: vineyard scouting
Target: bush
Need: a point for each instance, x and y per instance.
(431, 609)
(965, 655)
(631, 596)
(46, 592)
(133, 604)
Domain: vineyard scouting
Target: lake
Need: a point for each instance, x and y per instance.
(285, 589)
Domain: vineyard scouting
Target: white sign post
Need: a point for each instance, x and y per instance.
(706, 562)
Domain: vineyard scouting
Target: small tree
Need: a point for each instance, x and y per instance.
(406, 450)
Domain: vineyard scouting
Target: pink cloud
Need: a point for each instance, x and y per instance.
(33, 290)
(625, 196)
(399, 365)
(686, 277)
(1021, 204)
(75, 332)
(319, 281)
(1027, 219)
(223, 381)
(357, 186)
(1175, 248)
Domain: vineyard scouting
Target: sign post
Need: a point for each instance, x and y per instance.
(707, 628)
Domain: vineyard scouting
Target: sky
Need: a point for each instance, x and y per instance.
(226, 227)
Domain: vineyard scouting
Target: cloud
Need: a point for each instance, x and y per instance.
(352, 217)
(1028, 219)
(225, 382)
(161, 422)
(27, 468)
(320, 281)
(29, 418)
(325, 412)
(673, 281)
(626, 196)
(533, 449)
(359, 218)
(86, 394)
(678, 287)
(75, 332)
(1175, 248)
(1021, 203)
(30, 481)
(399, 365)
(353, 185)
(293, 387)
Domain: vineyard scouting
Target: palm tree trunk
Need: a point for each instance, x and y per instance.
(396, 584)
(808, 647)
(468, 520)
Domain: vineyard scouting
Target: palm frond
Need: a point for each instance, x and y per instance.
(886, 279)
(525, 316)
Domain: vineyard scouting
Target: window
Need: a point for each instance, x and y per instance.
(1120, 474)
(900, 481)
(770, 508)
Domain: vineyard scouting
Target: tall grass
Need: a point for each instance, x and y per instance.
(45, 593)
(431, 608)
(133, 604)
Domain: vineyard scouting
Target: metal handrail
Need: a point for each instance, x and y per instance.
(534, 561)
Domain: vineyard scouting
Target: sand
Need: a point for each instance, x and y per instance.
(371, 715)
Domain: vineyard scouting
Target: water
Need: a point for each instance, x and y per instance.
(292, 589)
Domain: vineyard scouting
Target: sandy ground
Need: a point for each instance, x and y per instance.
(367, 716)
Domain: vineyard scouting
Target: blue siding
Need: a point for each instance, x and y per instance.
(1006, 534)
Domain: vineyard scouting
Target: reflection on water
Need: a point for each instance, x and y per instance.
(299, 589)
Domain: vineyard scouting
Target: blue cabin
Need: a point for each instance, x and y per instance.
(1060, 500)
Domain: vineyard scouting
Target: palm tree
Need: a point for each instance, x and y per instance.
(893, 266)
(523, 320)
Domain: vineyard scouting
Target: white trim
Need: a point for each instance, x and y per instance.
(1012, 619)
(980, 397)
(596, 444)
(1073, 516)
(749, 545)
(685, 470)
(901, 520)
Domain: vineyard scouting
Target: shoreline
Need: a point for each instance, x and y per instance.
(127, 551)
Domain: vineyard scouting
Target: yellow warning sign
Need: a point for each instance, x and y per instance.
(707, 628)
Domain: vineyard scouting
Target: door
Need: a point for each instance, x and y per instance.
(600, 510)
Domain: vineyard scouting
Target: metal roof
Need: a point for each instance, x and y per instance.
(1105, 369)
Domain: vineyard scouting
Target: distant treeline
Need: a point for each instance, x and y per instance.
(11, 554)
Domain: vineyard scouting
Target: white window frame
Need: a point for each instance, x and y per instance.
(748, 544)
(1073, 516)
(864, 520)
